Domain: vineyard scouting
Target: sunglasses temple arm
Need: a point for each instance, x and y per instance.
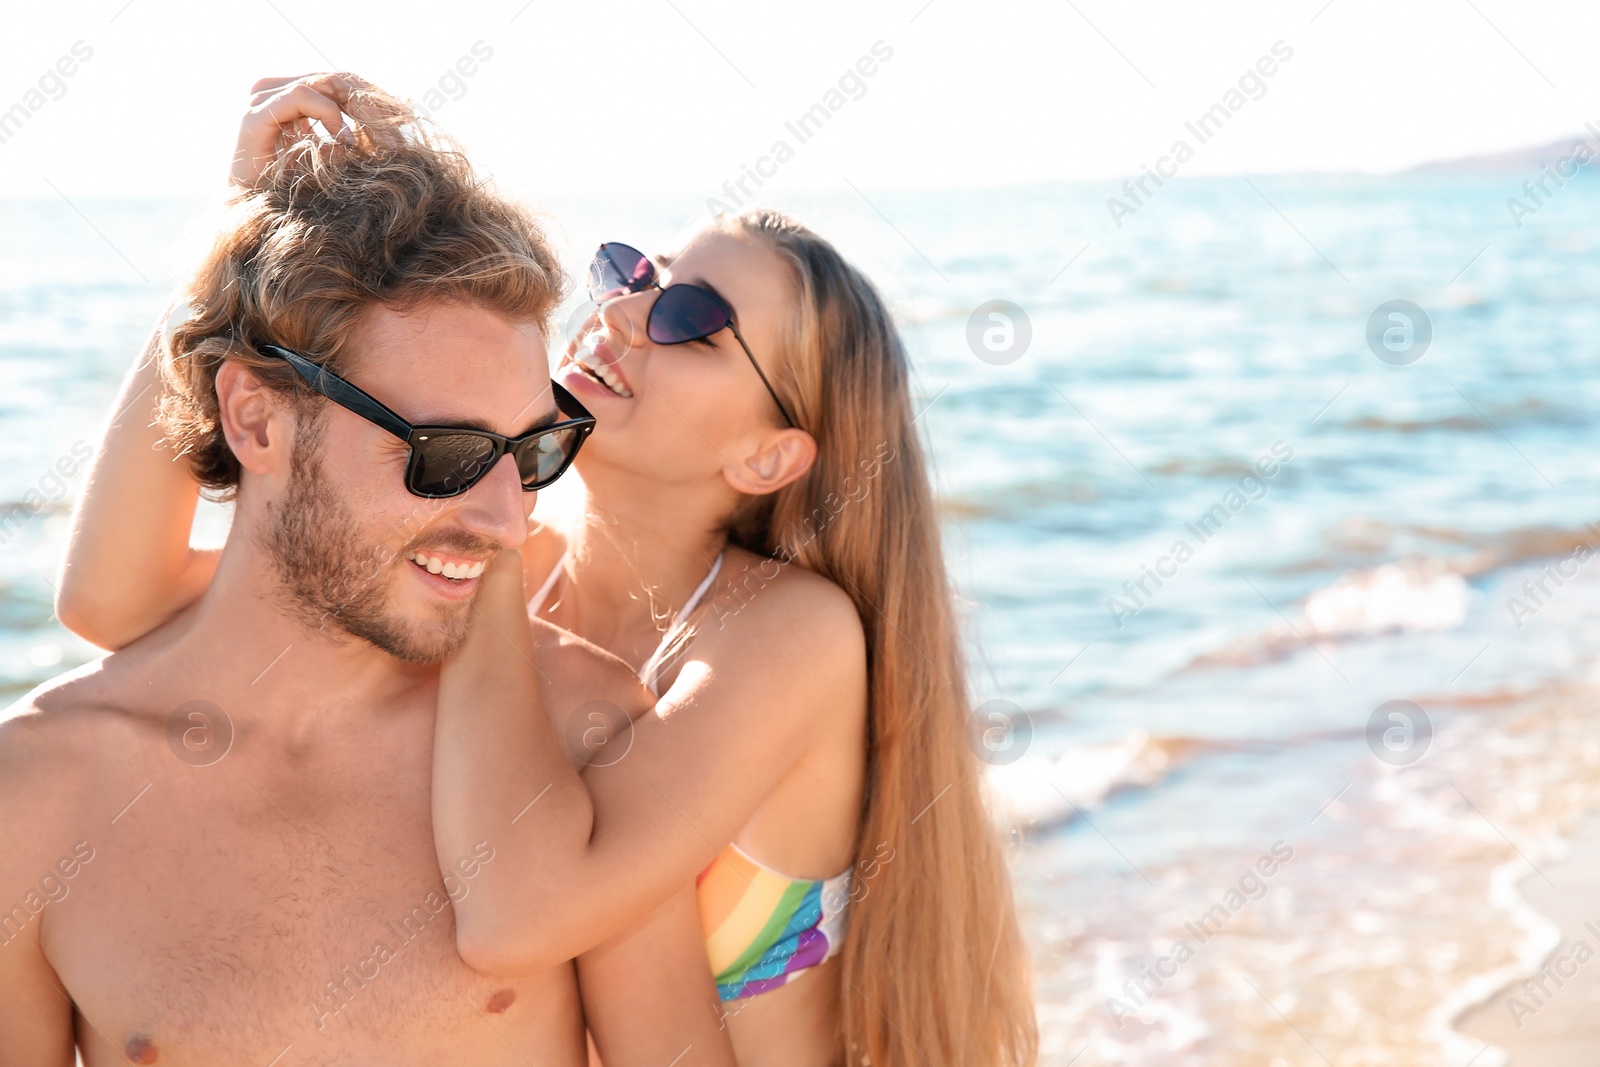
(343, 393)
(784, 411)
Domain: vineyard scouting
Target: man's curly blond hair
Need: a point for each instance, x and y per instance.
(394, 218)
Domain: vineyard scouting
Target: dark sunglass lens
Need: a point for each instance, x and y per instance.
(542, 459)
(449, 463)
(685, 313)
(618, 269)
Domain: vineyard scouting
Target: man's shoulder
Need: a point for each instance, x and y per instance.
(63, 734)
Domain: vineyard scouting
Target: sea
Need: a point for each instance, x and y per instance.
(1269, 508)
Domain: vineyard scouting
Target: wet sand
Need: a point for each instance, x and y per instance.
(1553, 1019)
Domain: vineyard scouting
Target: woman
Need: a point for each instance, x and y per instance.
(758, 543)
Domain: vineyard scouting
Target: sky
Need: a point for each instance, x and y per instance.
(684, 95)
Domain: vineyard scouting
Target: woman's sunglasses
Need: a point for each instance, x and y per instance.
(683, 312)
(449, 460)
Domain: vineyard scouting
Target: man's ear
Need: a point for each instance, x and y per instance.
(253, 424)
(773, 461)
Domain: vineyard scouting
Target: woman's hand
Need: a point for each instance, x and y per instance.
(495, 754)
(280, 106)
(499, 642)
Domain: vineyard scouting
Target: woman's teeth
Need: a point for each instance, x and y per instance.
(458, 571)
(596, 368)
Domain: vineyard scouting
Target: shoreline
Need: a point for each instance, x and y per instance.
(1547, 1014)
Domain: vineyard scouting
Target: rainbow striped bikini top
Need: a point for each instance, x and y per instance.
(763, 929)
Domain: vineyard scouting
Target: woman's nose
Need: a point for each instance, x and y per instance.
(626, 319)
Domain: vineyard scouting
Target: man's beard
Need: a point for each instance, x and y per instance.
(329, 579)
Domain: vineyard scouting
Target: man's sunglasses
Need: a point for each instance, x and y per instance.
(683, 312)
(449, 460)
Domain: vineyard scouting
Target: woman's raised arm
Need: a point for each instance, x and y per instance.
(129, 566)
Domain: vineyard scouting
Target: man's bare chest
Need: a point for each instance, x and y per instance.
(232, 919)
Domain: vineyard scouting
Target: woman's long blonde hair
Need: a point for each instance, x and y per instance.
(934, 968)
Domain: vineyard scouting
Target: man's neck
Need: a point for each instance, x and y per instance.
(252, 650)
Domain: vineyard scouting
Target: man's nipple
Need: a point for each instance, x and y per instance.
(502, 1000)
(140, 1049)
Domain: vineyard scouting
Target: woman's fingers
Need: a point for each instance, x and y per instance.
(265, 85)
(336, 85)
(274, 112)
(280, 106)
(297, 102)
(366, 109)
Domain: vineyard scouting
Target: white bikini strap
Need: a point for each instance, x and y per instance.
(652, 666)
(700, 590)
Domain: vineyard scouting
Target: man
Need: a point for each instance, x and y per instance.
(217, 843)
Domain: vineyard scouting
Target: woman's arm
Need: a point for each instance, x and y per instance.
(648, 994)
(589, 856)
(129, 566)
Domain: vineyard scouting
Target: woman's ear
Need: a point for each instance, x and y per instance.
(252, 423)
(774, 460)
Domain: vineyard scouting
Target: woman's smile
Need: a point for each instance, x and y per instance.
(595, 365)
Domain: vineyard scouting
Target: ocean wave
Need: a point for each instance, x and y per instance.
(1409, 596)
(1523, 411)
(1524, 544)
(1016, 501)
(1355, 539)
(1227, 468)
(1042, 791)
(1449, 423)
(1414, 595)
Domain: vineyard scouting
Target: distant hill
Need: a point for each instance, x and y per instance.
(1515, 161)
